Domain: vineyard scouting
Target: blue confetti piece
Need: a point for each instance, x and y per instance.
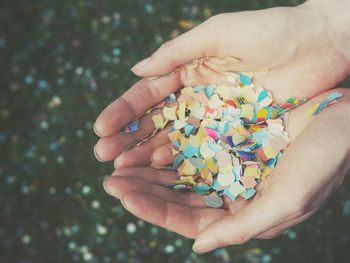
(131, 127)
(209, 91)
(134, 126)
(188, 129)
(271, 162)
(213, 146)
(262, 95)
(237, 171)
(177, 161)
(215, 185)
(330, 98)
(246, 80)
(334, 96)
(260, 135)
(197, 162)
(197, 89)
(189, 151)
(201, 187)
(171, 98)
(228, 193)
(322, 106)
(249, 193)
(177, 143)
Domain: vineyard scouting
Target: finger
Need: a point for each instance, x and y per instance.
(163, 155)
(192, 45)
(108, 148)
(230, 64)
(183, 220)
(149, 174)
(140, 97)
(118, 186)
(141, 155)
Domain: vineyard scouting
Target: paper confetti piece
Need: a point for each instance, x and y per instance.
(169, 113)
(213, 201)
(158, 121)
(246, 78)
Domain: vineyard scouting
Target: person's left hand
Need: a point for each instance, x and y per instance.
(311, 168)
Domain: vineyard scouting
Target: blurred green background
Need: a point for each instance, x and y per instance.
(61, 63)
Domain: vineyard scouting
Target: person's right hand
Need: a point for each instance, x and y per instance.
(310, 170)
(299, 51)
(303, 49)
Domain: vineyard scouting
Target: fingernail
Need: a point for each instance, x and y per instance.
(140, 64)
(105, 187)
(95, 130)
(96, 155)
(123, 203)
(204, 245)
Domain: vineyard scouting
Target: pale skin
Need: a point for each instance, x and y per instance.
(300, 51)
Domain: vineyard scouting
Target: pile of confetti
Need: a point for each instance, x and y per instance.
(225, 138)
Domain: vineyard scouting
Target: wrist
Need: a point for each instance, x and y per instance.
(335, 14)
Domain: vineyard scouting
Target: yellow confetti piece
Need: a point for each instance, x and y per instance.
(186, 180)
(182, 108)
(237, 138)
(188, 168)
(211, 165)
(204, 172)
(312, 109)
(179, 124)
(194, 141)
(226, 169)
(247, 111)
(262, 113)
(268, 151)
(158, 121)
(169, 113)
(253, 171)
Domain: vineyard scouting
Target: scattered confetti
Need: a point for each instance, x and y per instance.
(318, 107)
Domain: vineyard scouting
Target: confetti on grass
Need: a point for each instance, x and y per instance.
(225, 138)
(331, 99)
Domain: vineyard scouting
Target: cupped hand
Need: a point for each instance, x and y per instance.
(293, 52)
(312, 167)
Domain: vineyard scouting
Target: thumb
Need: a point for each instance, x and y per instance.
(260, 215)
(197, 43)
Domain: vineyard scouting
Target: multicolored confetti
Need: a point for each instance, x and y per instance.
(331, 99)
(225, 138)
